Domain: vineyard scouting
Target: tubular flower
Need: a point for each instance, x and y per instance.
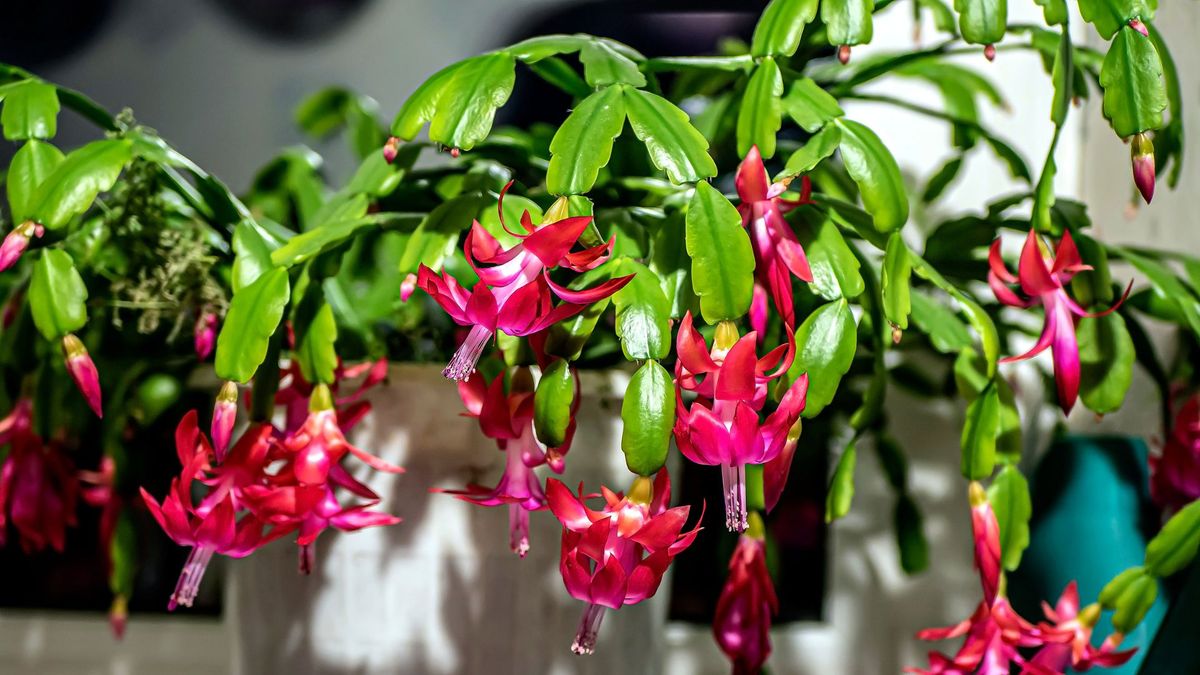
(218, 530)
(294, 392)
(83, 371)
(514, 292)
(38, 489)
(1175, 474)
(742, 624)
(508, 419)
(778, 256)
(300, 494)
(1044, 281)
(995, 633)
(204, 334)
(618, 555)
(1075, 626)
(722, 427)
(17, 241)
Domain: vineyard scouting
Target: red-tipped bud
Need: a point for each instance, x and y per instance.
(1140, 27)
(455, 153)
(844, 54)
(390, 149)
(989, 52)
(1141, 153)
(407, 287)
(118, 616)
(224, 415)
(83, 371)
(205, 334)
(17, 241)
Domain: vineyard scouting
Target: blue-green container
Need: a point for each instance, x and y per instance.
(1092, 519)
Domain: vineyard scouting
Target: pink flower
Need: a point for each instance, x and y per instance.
(294, 392)
(38, 489)
(204, 334)
(1047, 285)
(17, 241)
(778, 255)
(742, 623)
(1067, 621)
(514, 292)
(217, 530)
(722, 427)
(223, 418)
(1175, 474)
(616, 556)
(83, 371)
(508, 419)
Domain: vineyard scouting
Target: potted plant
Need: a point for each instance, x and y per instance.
(637, 236)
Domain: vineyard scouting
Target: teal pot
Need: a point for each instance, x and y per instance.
(1092, 519)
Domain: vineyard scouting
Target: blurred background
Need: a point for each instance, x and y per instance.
(220, 79)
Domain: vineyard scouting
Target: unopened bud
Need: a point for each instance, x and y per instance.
(1141, 153)
(843, 54)
(407, 287)
(455, 152)
(642, 490)
(17, 241)
(559, 210)
(390, 149)
(83, 371)
(224, 416)
(976, 495)
(896, 335)
(989, 52)
(118, 616)
(1140, 27)
(321, 399)
(205, 334)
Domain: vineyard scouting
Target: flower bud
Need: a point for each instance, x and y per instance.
(205, 334)
(407, 287)
(989, 52)
(1140, 27)
(17, 241)
(843, 54)
(83, 371)
(224, 415)
(390, 149)
(118, 616)
(1141, 153)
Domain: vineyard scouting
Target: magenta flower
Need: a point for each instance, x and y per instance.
(204, 334)
(1045, 283)
(223, 418)
(38, 488)
(17, 241)
(514, 292)
(1141, 157)
(778, 256)
(508, 419)
(722, 427)
(294, 392)
(742, 624)
(1175, 474)
(1075, 628)
(83, 371)
(218, 530)
(616, 556)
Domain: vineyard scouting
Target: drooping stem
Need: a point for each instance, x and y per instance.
(589, 630)
(462, 364)
(518, 529)
(189, 579)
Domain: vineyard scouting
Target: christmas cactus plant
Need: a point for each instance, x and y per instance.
(719, 224)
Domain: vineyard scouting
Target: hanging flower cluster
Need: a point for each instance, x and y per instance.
(742, 623)
(38, 487)
(271, 483)
(997, 638)
(507, 418)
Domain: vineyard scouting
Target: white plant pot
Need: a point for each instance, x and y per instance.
(440, 592)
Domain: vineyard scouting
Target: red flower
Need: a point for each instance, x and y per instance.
(514, 292)
(38, 488)
(508, 419)
(722, 427)
(616, 556)
(742, 624)
(1075, 626)
(1175, 474)
(1047, 285)
(217, 530)
(778, 254)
